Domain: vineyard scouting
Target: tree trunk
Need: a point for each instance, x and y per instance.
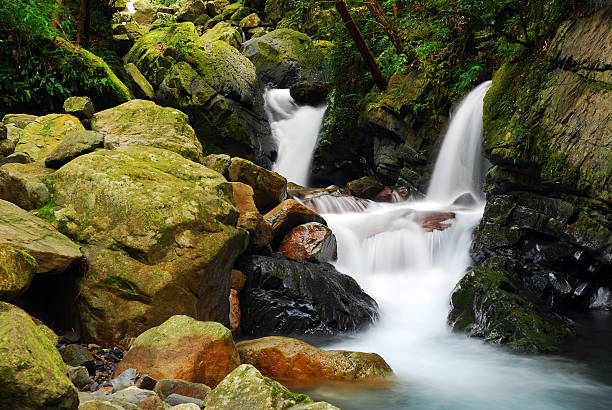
(365, 52)
(83, 23)
(381, 17)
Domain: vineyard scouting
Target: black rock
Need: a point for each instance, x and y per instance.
(295, 297)
(310, 94)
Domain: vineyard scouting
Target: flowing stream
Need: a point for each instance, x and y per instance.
(411, 274)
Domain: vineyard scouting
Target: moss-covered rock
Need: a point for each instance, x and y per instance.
(247, 385)
(285, 57)
(20, 229)
(183, 348)
(144, 123)
(270, 188)
(17, 270)
(140, 86)
(486, 303)
(241, 13)
(23, 185)
(250, 21)
(190, 10)
(225, 32)
(80, 107)
(161, 238)
(76, 143)
(43, 134)
(32, 373)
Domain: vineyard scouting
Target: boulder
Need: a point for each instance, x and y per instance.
(3, 132)
(250, 21)
(237, 280)
(218, 162)
(234, 314)
(365, 187)
(7, 147)
(76, 355)
(161, 238)
(183, 348)
(313, 241)
(241, 13)
(260, 231)
(246, 385)
(80, 107)
(144, 123)
(75, 144)
(43, 134)
(190, 10)
(79, 376)
(32, 373)
(230, 9)
(53, 251)
(23, 185)
(310, 94)
(289, 214)
(215, 7)
(269, 187)
(139, 84)
(285, 297)
(17, 270)
(145, 14)
(180, 400)
(16, 158)
(166, 387)
(285, 57)
(291, 361)
(225, 32)
(20, 121)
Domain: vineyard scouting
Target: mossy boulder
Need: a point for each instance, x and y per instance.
(17, 270)
(43, 134)
(241, 13)
(269, 187)
(230, 9)
(32, 373)
(218, 162)
(76, 143)
(190, 10)
(80, 107)
(144, 123)
(140, 86)
(250, 21)
(160, 238)
(285, 57)
(225, 32)
(20, 229)
(487, 303)
(183, 348)
(294, 362)
(247, 385)
(23, 185)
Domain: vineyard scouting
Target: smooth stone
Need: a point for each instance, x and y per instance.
(176, 399)
(75, 144)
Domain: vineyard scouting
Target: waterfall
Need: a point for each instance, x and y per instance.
(460, 166)
(295, 129)
(411, 273)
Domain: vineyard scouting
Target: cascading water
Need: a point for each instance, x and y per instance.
(295, 129)
(411, 274)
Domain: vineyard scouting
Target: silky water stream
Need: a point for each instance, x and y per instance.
(411, 274)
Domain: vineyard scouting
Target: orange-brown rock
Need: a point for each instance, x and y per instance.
(183, 348)
(260, 231)
(289, 214)
(434, 220)
(293, 362)
(313, 241)
(166, 387)
(237, 280)
(234, 313)
(270, 188)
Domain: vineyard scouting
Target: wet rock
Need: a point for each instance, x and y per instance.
(79, 376)
(291, 361)
(32, 373)
(23, 185)
(310, 94)
(260, 230)
(167, 387)
(237, 280)
(76, 355)
(365, 187)
(183, 348)
(80, 107)
(43, 134)
(75, 144)
(286, 297)
(17, 270)
(139, 84)
(246, 385)
(313, 241)
(269, 187)
(53, 251)
(144, 123)
(434, 220)
(289, 214)
(466, 199)
(176, 399)
(225, 32)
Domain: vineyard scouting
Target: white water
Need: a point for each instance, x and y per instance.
(295, 129)
(411, 274)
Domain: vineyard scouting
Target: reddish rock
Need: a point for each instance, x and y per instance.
(260, 231)
(434, 220)
(237, 280)
(166, 387)
(270, 188)
(183, 348)
(293, 362)
(313, 241)
(289, 214)
(234, 313)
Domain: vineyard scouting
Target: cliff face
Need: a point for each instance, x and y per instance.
(547, 229)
